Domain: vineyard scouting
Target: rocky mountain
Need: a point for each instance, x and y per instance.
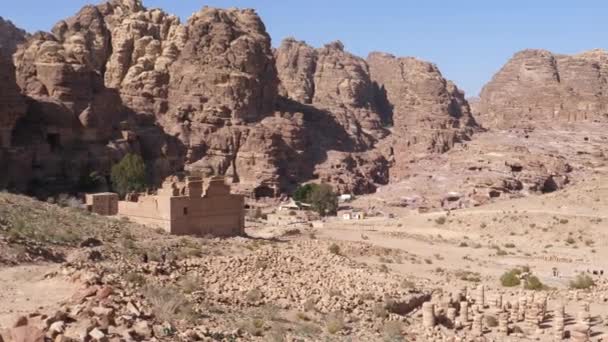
(540, 87)
(212, 96)
(427, 112)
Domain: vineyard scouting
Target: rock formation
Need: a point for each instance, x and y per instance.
(12, 104)
(211, 96)
(537, 86)
(427, 112)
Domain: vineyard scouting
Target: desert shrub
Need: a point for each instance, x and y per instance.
(440, 220)
(334, 249)
(129, 174)
(491, 321)
(190, 284)
(135, 278)
(334, 322)
(510, 278)
(469, 276)
(324, 200)
(463, 244)
(570, 240)
(379, 310)
(309, 305)
(254, 326)
(392, 331)
(582, 282)
(509, 245)
(533, 283)
(169, 304)
(302, 316)
(254, 295)
(408, 284)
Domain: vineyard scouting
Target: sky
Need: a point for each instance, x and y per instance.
(469, 40)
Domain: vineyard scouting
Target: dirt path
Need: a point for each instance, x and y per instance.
(24, 289)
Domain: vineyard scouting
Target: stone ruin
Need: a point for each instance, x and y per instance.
(463, 313)
(194, 207)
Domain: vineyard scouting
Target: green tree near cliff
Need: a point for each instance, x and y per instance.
(324, 200)
(129, 175)
(302, 193)
(321, 197)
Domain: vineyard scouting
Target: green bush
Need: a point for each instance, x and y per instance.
(129, 175)
(440, 220)
(510, 278)
(334, 249)
(533, 283)
(582, 282)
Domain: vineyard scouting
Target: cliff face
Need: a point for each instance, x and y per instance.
(12, 103)
(539, 87)
(428, 113)
(211, 96)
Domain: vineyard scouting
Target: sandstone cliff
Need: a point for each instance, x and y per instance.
(537, 87)
(427, 112)
(12, 103)
(211, 96)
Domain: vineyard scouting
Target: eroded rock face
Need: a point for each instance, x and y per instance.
(211, 96)
(12, 105)
(539, 87)
(428, 113)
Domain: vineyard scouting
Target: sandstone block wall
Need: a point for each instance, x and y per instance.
(103, 203)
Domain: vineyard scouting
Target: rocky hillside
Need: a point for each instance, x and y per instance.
(542, 87)
(211, 96)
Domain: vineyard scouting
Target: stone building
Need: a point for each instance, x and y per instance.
(193, 207)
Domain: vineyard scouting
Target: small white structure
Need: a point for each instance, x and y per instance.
(345, 198)
(353, 215)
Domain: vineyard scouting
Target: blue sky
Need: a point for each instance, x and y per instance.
(468, 39)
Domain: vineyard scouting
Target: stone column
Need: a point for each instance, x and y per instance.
(532, 317)
(428, 314)
(480, 298)
(498, 301)
(451, 316)
(558, 323)
(521, 313)
(584, 316)
(477, 327)
(503, 323)
(464, 312)
(513, 312)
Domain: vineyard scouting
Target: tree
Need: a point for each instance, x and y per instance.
(302, 193)
(324, 200)
(129, 174)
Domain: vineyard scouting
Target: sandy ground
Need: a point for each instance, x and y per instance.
(25, 289)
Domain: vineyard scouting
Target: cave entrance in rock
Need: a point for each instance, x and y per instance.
(54, 141)
(263, 191)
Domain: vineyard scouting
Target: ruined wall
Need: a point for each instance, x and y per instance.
(153, 210)
(217, 215)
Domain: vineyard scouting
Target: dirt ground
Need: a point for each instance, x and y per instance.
(31, 288)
